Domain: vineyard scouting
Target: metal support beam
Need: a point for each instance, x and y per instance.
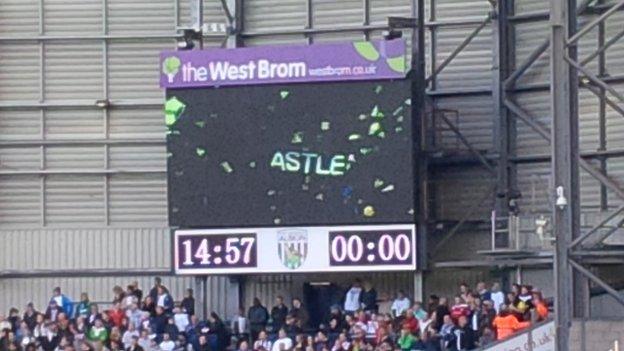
(458, 49)
(573, 39)
(535, 54)
(564, 167)
(543, 131)
(466, 143)
(597, 227)
(421, 127)
(504, 136)
(587, 273)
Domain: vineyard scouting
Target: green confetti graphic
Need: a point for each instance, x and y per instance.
(366, 150)
(381, 134)
(376, 113)
(284, 94)
(200, 151)
(408, 101)
(227, 168)
(369, 211)
(173, 109)
(378, 183)
(378, 89)
(169, 154)
(319, 196)
(398, 129)
(200, 124)
(252, 164)
(297, 138)
(277, 220)
(400, 119)
(325, 125)
(388, 188)
(271, 192)
(362, 117)
(354, 137)
(375, 128)
(397, 111)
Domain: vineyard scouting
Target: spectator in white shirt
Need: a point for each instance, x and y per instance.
(283, 343)
(167, 344)
(352, 298)
(497, 296)
(400, 304)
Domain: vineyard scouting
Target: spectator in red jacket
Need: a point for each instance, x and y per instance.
(460, 308)
(410, 322)
(116, 315)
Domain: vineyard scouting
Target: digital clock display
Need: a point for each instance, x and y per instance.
(217, 251)
(357, 248)
(390, 247)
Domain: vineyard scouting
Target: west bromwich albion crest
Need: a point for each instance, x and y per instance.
(292, 247)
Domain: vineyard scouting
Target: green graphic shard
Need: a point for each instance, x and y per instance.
(354, 137)
(325, 125)
(408, 101)
(376, 113)
(200, 151)
(284, 94)
(173, 109)
(369, 211)
(378, 183)
(400, 119)
(388, 188)
(397, 64)
(378, 89)
(227, 168)
(200, 124)
(375, 128)
(297, 138)
(397, 111)
(362, 117)
(252, 164)
(366, 150)
(367, 50)
(398, 129)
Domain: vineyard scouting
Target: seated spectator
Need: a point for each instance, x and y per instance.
(98, 332)
(203, 344)
(134, 344)
(407, 340)
(384, 304)
(166, 344)
(447, 331)
(62, 301)
(465, 336)
(541, 309)
(30, 316)
(84, 307)
(400, 304)
(283, 342)
(263, 342)
(130, 336)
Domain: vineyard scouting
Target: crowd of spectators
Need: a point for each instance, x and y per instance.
(363, 321)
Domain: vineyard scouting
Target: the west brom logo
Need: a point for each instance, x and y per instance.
(292, 247)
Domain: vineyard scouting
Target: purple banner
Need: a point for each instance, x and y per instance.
(383, 59)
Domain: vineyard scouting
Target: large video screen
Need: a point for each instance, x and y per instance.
(290, 155)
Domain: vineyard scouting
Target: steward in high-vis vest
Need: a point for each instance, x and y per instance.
(507, 324)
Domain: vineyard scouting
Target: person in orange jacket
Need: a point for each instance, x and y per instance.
(507, 324)
(540, 306)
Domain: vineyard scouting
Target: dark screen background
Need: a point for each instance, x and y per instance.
(240, 129)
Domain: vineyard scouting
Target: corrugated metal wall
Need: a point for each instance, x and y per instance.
(83, 188)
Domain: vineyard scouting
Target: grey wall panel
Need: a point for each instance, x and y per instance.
(19, 124)
(73, 71)
(19, 17)
(524, 6)
(528, 37)
(461, 10)
(19, 71)
(457, 188)
(20, 200)
(136, 199)
(328, 13)
(72, 200)
(615, 54)
(270, 15)
(75, 157)
(68, 17)
(137, 156)
(140, 123)
(20, 158)
(133, 69)
(276, 40)
(380, 10)
(73, 124)
(474, 121)
(472, 67)
(83, 249)
(141, 16)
